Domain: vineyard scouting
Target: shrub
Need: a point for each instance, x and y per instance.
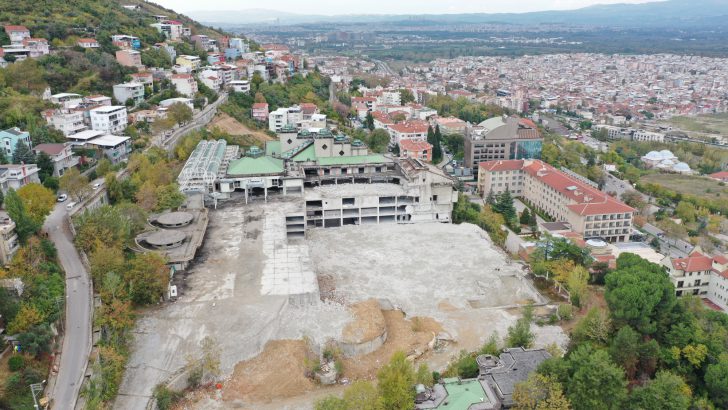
(16, 363)
(566, 312)
(195, 377)
(166, 398)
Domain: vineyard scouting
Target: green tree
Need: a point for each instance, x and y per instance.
(436, 146)
(369, 121)
(520, 335)
(378, 141)
(75, 184)
(103, 167)
(525, 218)
(624, 349)
(179, 113)
(406, 96)
(667, 391)
(23, 154)
(45, 166)
(24, 224)
(396, 383)
(504, 206)
(595, 382)
(595, 327)
(38, 202)
(639, 293)
(716, 381)
(540, 392)
(362, 395)
(148, 278)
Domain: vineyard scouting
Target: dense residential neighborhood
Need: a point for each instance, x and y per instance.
(204, 218)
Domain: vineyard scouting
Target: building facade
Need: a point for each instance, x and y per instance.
(129, 91)
(501, 138)
(10, 138)
(109, 119)
(700, 275)
(590, 212)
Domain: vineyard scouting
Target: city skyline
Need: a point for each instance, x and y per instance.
(385, 7)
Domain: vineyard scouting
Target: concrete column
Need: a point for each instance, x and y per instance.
(265, 190)
(246, 195)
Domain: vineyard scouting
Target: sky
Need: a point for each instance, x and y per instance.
(334, 7)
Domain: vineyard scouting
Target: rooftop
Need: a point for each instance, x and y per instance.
(109, 140)
(263, 165)
(109, 108)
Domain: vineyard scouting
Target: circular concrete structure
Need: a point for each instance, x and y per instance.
(175, 219)
(165, 239)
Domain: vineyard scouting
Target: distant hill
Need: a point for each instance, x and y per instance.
(59, 19)
(670, 13)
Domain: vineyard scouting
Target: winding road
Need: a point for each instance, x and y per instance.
(77, 339)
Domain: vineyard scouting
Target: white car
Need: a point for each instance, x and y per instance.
(62, 197)
(70, 205)
(97, 185)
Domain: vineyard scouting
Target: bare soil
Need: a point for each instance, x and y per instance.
(594, 299)
(278, 372)
(368, 322)
(408, 335)
(232, 126)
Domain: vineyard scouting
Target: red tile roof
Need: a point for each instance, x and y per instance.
(414, 145)
(260, 106)
(696, 262)
(508, 165)
(412, 127)
(722, 175)
(50, 149)
(87, 40)
(9, 29)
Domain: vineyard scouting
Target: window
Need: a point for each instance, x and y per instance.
(325, 146)
(341, 153)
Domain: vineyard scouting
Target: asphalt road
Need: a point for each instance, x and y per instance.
(77, 339)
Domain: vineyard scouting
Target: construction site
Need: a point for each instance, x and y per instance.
(272, 303)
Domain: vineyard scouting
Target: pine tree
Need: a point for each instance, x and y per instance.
(23, 154)
(504, 205)
(436, 148)
(490, 200)
(369, 121)
(525, 217)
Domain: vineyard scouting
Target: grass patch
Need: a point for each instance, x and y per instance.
(709, 124)
(688, 184)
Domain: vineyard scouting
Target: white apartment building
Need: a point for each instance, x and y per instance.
(590, 212)
(60, 154)
(413, 130)
(9, 243)
(115, 148)
(282, 117)
(109, 120)
(211, 79)
(16, 176)
(185, 84)
(240, 86)
(67, 121)
(126, 91)
(170, 28)
(700, 275)
(647, 136)
(389, 98)
(66, 100)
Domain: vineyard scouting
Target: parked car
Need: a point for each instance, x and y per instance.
(70, 205)
(97, 185)
(62, 197)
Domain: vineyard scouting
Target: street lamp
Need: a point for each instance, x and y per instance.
(36, 388)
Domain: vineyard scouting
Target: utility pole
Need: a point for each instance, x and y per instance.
(36, 388)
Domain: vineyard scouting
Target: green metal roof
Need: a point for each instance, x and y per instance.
(308, 154)
(461, 396)
(273, 148)
(255, 166)
(353, 160)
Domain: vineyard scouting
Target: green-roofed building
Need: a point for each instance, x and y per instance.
(457, 394)
(249, 166)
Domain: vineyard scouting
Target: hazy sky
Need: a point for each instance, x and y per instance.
(330, 7)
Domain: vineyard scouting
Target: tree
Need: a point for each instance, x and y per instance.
(667, 391)
(504, 205)
(369, 121)
(75, 184)
(577, 284)
(624, 350)
(520, 335)
(104, 259)
(103, 167)
(639, 293)
(525, 218)
(27, 317)
(540, 392)
(396, 381)
(168, 197)
(716, 381)
(148, 278)
(436, 146)
(24, 225)
(36, 340)
(45, 166)
(634, 199)
(179, 113)
(362, 395)
(595, 327)
(424, 375)
(406, 96)
(595, 382)
(23, 154)
(378, 141)
(38, 202)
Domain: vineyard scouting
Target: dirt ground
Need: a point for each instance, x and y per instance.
(232, 126)
(594, 299)
(408, 335)
(368, 322)
(259, 379)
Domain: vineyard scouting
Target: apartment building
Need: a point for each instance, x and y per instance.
(211, 79)
(126, 42)
(240, 86)
(191, 62)
(283, 117)
(60, 154)
(67, 121)
(109, 120)
(185, 84)
(129, 58)
(129, 91)
(450, 125)
(17, 34)
(363, 105)
(501, 138)
(259, 112)
(113, 147)
(10, 138)
(421, 150)
(588, 211)
(700, 275)
(66, 100)
(16, 176)
(415, 130)
(171, 29)
(87, 43)
(9, 243)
